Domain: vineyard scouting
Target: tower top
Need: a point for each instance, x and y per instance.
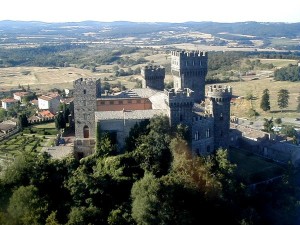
(86, 81)
(189, 54)
(219, 91)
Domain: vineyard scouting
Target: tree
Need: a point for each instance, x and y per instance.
(60, 121)
(265, 100)
(298, 101)
(23, 121)
(2, 114)
(146, 200)
(283, 98)
(268, 125)
(26, 206)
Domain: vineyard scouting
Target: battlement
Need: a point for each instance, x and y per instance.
(86, 81)
(192, 54)
(219, 91)
(179, 97)
(153, 71)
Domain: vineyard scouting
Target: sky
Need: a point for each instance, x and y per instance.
(151, 10)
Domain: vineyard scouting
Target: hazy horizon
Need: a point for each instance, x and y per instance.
(229, 11)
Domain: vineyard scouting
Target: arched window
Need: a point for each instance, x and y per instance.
(86, 132)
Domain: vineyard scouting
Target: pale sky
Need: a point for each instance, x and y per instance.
(151, 10)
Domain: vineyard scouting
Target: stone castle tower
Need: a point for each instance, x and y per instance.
(219, 98)
(180, 104)
(86, 92)
(189, 70)
(153, 77)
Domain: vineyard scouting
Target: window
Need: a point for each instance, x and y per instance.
(86, 132)
(221, 116)
(84, 116)
(207, 133)
(208, 148)
(84, 91)
(196, 136)
(84, 102)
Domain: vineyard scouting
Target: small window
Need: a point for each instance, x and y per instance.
(102, 102)
(84, 91)
(208, 148)
(196, 136)
(86, 132)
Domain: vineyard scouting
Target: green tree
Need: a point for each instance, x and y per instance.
(289, 131)
(298, 103)
(85, 215)
(146, 202)
(3, 114)
(60, 121)
(268, 125)
(23, 121)
(283, 98)
(51, 219)
(26, 206)
(265, 100)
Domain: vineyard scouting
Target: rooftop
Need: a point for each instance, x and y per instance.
(129, 114)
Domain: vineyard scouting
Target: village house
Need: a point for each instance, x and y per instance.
(8, 103)
(20, 95)
(50, 102)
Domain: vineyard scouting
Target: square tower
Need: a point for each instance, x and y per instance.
(189, 70)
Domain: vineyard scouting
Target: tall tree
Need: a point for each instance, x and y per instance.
(23, 121)
(283, 98)
(60, 121)
(265, 100)
(298, 103)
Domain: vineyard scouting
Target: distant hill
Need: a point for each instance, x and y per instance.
(258, 29)
(243, 32)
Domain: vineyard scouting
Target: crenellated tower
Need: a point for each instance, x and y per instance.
(180, 104)
(189, 70)
(86, 92)
(153, 77)
(219, 97)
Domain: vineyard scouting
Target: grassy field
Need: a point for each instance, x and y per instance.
(252, 168)
(256, 87)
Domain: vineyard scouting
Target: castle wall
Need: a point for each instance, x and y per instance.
(126, 104)
(120, 127)
(203, 135)
(180, 105)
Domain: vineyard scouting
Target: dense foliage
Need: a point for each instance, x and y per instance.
(290, 73)
(156, 181)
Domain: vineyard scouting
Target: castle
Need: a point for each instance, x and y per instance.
(206, 112)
